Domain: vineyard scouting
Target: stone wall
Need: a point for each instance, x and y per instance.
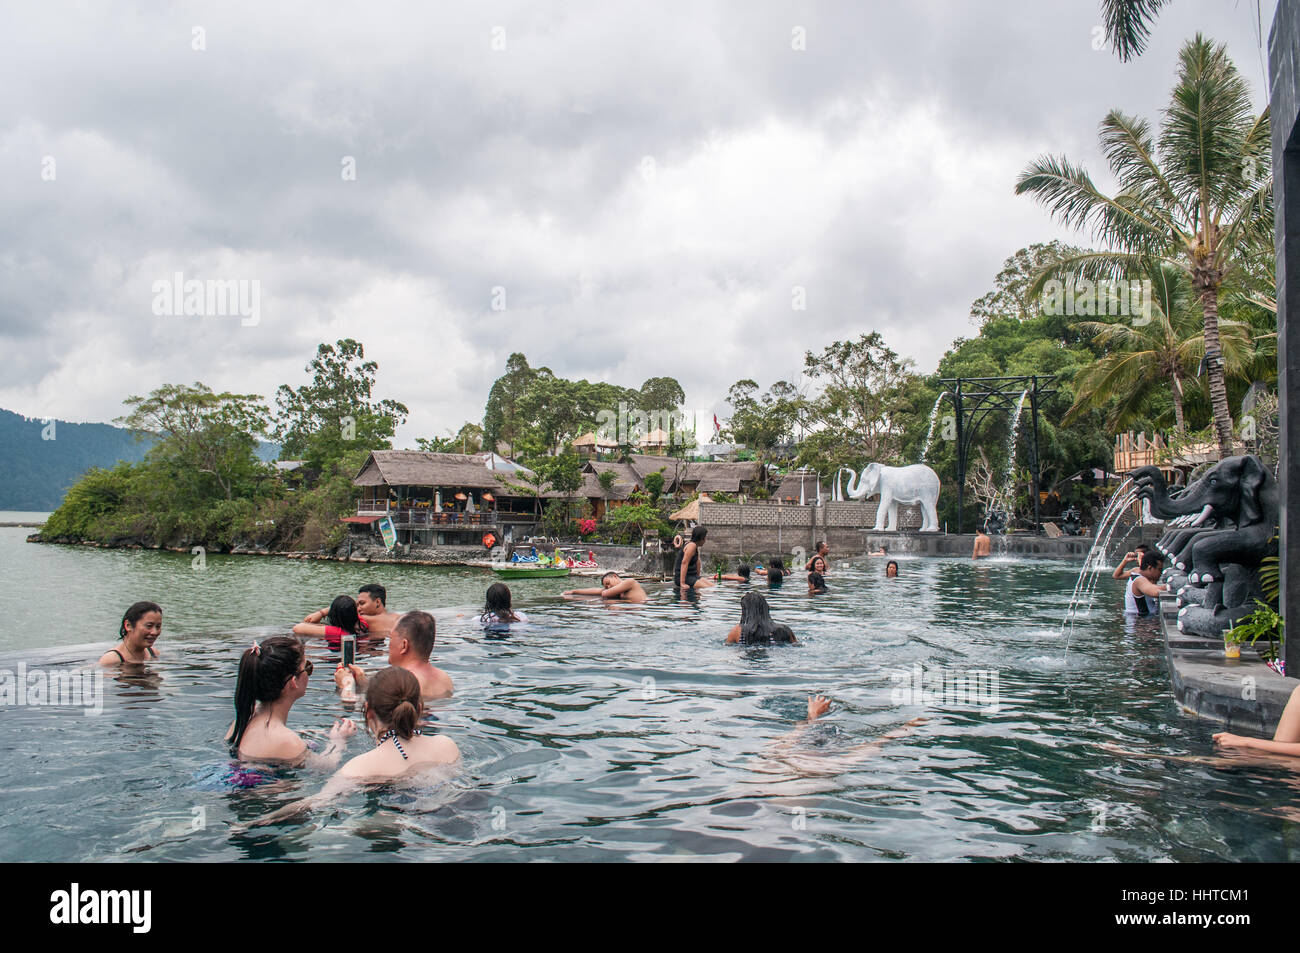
(777, 528)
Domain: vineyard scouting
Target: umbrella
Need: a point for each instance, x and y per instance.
(460, 496)
(489, 497)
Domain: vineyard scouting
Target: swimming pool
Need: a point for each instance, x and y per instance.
(623, 734)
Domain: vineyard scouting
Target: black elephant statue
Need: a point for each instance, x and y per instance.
(1221, 528)
(1071, 522)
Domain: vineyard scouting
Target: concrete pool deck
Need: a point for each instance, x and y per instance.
(1244, 695)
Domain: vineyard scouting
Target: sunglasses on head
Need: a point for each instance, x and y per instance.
(306, 667)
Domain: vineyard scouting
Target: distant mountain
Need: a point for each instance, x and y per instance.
(38, 462)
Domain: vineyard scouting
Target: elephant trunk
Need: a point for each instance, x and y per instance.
(1153, 488)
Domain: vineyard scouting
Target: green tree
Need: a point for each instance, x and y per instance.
(202, 432)
(1128, 24)
(1144, 356)
(1202, 202)
(853, 420)
(762, 421)
(321, 421)
(654, 485)
(469, 439)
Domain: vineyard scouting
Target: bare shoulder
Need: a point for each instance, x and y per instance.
(443, 748)
(110, 658)
(362, 766)
(439, 685)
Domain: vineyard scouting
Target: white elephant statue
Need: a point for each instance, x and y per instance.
(914, 484)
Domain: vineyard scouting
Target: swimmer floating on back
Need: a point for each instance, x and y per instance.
(141, 626)
(613, 588)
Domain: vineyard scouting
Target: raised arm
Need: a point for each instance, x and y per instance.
(1119, 570)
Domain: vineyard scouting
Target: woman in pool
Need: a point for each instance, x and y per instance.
(816, 584)
(341, 619)
(1286, 739)
(272, 676)
(775, 573)
(756, 625)
(393, 711)
(891, 569)
(818, 564)
(686, 568)
(141, 626)
(496, 610)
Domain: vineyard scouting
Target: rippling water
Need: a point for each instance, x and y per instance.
(600, 733)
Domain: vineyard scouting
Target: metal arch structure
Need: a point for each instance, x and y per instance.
(974, 399)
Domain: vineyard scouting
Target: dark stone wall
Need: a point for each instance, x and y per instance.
(1284, 72)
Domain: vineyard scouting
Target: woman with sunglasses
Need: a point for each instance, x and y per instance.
(273, 675)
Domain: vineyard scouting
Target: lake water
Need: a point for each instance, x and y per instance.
(597, 733)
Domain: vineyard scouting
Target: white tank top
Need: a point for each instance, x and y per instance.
(1131, 599)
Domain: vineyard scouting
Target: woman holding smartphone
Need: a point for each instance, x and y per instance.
(273, 674)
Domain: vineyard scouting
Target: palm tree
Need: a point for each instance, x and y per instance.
(1143, 356)
(1128, 24)
(1200, 203)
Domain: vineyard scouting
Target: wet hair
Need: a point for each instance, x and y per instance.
(605, 576)
(420, 629)
(394, 698)
(776, 572)
(134, 614)
(497, 604)
(891, 563)
(263, 670)
(823, 545)
(817, 582)
(815, 559)
(1151, 561)
(343, 613)
(756, 623)
(698, 534)
(375, 591)
(743, 571)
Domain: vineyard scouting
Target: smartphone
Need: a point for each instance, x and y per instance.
(349, 650)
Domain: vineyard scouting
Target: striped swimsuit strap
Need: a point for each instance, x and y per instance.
(397, 742)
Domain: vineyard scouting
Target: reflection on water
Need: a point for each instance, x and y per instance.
(596, 733)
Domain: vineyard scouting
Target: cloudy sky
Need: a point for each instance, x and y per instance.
(642, 186)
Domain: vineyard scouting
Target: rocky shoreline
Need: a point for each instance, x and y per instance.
(623, 559)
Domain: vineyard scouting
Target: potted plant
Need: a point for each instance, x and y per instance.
(1262, 623)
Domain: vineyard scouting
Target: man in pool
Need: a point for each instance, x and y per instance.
(823, 553)
(409, 646)
(614, 588)
(1142, 591)
(1134, 557)
(372, 607)
(983, 544)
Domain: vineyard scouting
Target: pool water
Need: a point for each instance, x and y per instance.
(603, 733)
